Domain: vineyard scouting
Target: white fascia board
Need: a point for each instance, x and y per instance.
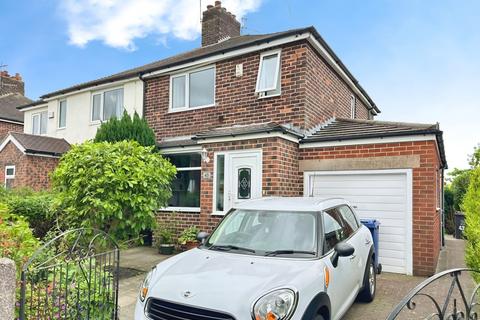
(45, 105)
(93, 88)
(186, 149)
(286, 136)
(11, 139)
(11, 121)
(323, 52)
(42, 155)
(354, 142)
(230, 54)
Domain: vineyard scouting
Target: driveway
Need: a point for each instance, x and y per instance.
(391, 287)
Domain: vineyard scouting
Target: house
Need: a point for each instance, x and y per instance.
(278, 114)
(12, 95)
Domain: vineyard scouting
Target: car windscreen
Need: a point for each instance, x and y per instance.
(267, 233)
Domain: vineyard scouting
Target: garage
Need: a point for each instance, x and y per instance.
(385, 195)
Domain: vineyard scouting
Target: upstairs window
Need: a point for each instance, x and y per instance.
(62, 114)
(353, 106)
(268, 79)
(9, 176)
(194, 89)
(107, 104)
(39, 123)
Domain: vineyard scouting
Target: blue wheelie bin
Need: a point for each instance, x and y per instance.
(374, 226)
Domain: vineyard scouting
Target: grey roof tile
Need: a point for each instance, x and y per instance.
(8, 106)
(41, 144)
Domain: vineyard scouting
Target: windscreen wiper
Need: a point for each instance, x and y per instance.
(229, 247)
(279, 252)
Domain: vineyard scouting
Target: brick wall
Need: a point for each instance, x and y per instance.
(30, 171)
(426, 219)
(6, 127)
(310, 93)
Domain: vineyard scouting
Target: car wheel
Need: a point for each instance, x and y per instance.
(370, 283)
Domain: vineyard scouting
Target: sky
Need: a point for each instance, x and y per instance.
(418, 59)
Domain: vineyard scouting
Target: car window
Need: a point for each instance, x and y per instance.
(333, 229)
(349, 217)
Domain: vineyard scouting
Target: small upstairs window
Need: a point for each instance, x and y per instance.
(62, 114)
(107, 104)
(268, 79)
(39, 123)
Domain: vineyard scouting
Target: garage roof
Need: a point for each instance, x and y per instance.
(34, 144)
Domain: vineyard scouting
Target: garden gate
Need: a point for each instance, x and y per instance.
(73, 276)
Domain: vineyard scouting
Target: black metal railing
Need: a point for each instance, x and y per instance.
(73, 276)
(430, 300)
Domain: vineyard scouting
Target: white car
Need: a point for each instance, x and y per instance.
(271, 258)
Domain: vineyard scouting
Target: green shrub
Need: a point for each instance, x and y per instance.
(187, 235)
(16, 239)
(471, 207)
(126, 128)
(114, 187)
(36, 207)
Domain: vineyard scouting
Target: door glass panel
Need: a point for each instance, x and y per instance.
(244, 183)
(220, 188)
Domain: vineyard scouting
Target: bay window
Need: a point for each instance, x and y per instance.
(194, 89)
(39, 123)
(268, 79)
(186, 185)
(107, 104)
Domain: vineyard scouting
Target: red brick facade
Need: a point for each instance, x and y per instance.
(30, 171)
(305, 101)
(426, 192)
(6, 127)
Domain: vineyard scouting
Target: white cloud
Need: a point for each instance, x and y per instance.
(117, 23)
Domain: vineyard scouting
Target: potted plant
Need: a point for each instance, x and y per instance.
(188, 238)
(164, 240)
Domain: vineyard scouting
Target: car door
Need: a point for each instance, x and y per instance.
(357, 240)
(343, 286)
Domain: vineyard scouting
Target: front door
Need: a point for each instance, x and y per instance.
(243, 176)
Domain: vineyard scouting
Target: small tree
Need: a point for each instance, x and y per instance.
(114, 187)
(471, 207)
(126, 128)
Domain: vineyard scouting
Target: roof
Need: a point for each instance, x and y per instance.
(8, 106)
(339, 129)
(297, 204)
(231, 44)
(247, 129)
(41, 145)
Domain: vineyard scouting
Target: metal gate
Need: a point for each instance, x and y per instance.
(73, 276)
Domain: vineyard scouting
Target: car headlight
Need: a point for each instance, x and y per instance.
(146, 285)
(275, 305)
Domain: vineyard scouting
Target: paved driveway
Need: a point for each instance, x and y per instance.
(390, 290)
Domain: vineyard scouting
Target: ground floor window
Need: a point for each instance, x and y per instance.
(9, 176)
(186, 185)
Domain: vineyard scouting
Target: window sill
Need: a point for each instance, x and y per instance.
(218, 214)
(181, 209)
(95, 123)
(190, 109)
(268, 96)
(60, 129)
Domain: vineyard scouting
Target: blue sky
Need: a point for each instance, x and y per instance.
(418, 59)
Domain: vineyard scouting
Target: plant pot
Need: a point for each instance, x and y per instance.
(191, 245)
(147, 237)
(166, 249)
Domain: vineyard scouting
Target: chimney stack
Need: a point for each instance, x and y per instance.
(218, 24)
(11, 84)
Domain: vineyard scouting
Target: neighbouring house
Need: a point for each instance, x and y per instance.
(278, 114)
(12, 95)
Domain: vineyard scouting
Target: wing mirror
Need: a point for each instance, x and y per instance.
(201, 236)
(342, 249)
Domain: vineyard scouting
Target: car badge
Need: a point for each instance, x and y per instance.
(187, 294)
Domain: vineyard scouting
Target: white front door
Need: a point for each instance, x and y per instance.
(243, 176)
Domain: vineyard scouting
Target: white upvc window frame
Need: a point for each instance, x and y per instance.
(39, 115)
(186, 74)
(276, 86)
(216, 212)
(184, 209)
(353, 106)
(9, 176)
(102, 97)
(60, 115)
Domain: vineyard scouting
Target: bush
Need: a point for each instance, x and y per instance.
(16, 239)
(471, 207)
(36, 207)
(126, 128)
(187, 235)
(114, 187)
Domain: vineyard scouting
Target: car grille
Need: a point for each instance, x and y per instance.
(164, 310)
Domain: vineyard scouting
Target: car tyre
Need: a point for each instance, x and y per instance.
(370, 283)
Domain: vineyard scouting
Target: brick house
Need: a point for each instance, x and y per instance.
(279, 114)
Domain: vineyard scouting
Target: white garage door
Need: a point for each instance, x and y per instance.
(381, 195)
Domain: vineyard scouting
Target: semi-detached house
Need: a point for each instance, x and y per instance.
(247, 116)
